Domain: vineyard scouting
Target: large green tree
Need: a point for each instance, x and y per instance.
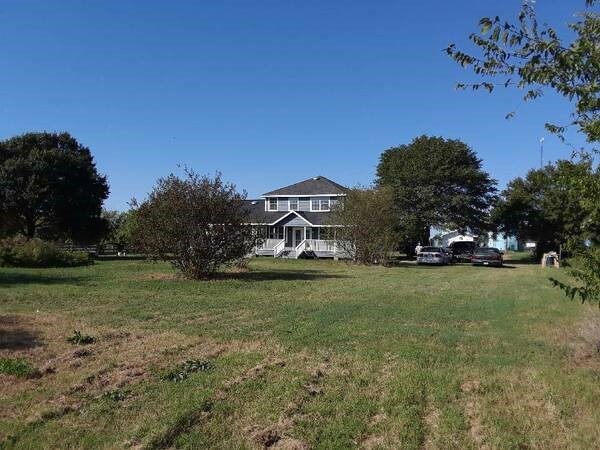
(544, 207)
(436, 182)
(50, 187)
(533, 57)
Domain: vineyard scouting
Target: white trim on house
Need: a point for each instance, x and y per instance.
(303, 195)
(286, 215)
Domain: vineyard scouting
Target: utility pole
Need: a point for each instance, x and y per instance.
(541, 153)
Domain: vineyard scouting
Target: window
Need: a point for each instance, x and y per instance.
(315, 204)
(275, 232)
(324, 204)
(293, 204)
(272, 204)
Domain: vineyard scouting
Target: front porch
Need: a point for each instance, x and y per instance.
(299, 241)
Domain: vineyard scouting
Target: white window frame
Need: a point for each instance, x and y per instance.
(321, 204)
(269, 204)
(297, 201)
(313, 199)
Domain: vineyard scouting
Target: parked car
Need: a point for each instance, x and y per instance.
(449, 255)
(432, 255)
(487, 256)
(462, 251)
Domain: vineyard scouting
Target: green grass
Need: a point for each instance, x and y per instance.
(314, 353)
(17, 367)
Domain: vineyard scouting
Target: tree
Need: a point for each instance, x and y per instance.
(529, 56)
(368, 231)
(545, 208)
(121, 227)
(196, 222)
(49, 187)
(436, 182)
(533, 57)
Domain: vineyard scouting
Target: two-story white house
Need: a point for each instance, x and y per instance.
(294, 220)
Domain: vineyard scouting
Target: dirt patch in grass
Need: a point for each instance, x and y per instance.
(159, 276)
(432, 421)
(278, 435)
(71, 374)
(585, 344)
(581, 340)
(472, 408)
(254, 372)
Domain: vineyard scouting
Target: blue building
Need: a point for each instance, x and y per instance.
(502, 242)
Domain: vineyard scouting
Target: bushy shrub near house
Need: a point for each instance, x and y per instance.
(22, 252)
(197, 222)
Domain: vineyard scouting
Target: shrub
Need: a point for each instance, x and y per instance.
(81, 339)
(368, 234)
(17, 367)
(117, 395)
(22, 252)
(198, 223)
(184, 370)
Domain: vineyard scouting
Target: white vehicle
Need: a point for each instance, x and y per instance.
(433, 255)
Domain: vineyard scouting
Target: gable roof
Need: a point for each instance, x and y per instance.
(258, 215)
(313, 186)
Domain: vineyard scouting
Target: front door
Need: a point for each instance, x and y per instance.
(297, 236)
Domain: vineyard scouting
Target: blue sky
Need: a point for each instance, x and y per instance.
(267, 92)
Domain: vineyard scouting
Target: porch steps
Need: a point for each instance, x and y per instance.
(288, 254)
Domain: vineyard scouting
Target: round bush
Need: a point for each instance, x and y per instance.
(22, 252)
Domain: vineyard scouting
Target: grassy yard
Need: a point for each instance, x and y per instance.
(296, 355)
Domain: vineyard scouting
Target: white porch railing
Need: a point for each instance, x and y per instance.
(268, 244)
(278, 248)
(320, 245)
(300, 248)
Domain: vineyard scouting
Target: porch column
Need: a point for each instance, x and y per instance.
(305, 233)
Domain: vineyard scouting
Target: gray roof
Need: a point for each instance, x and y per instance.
(313, 186)
(257, 213)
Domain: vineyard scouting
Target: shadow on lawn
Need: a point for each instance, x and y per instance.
(13, 336)
(413, 265)
(13, 279)
(278, 275)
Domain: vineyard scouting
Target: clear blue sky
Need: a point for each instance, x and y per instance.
(267, 92)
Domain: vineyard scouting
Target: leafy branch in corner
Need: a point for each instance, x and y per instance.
(531, 57)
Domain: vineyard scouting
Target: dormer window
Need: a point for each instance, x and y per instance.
(293, 204)
(272, 204)
(324, 204)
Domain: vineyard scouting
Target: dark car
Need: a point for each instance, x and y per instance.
(462, 251)
(487, 256)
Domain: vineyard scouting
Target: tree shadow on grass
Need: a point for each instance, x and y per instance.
(414, 265)
(8, 279)
(15, 336)
(278, 275)
(524, 262)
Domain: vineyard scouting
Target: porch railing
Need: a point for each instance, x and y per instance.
(300, 248)
(278, 248)
(268, 244)
(320, 245)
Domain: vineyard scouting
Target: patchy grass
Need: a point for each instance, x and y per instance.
(298, 355)
(18, 367)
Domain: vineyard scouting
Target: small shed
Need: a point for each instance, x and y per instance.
(551, 259)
